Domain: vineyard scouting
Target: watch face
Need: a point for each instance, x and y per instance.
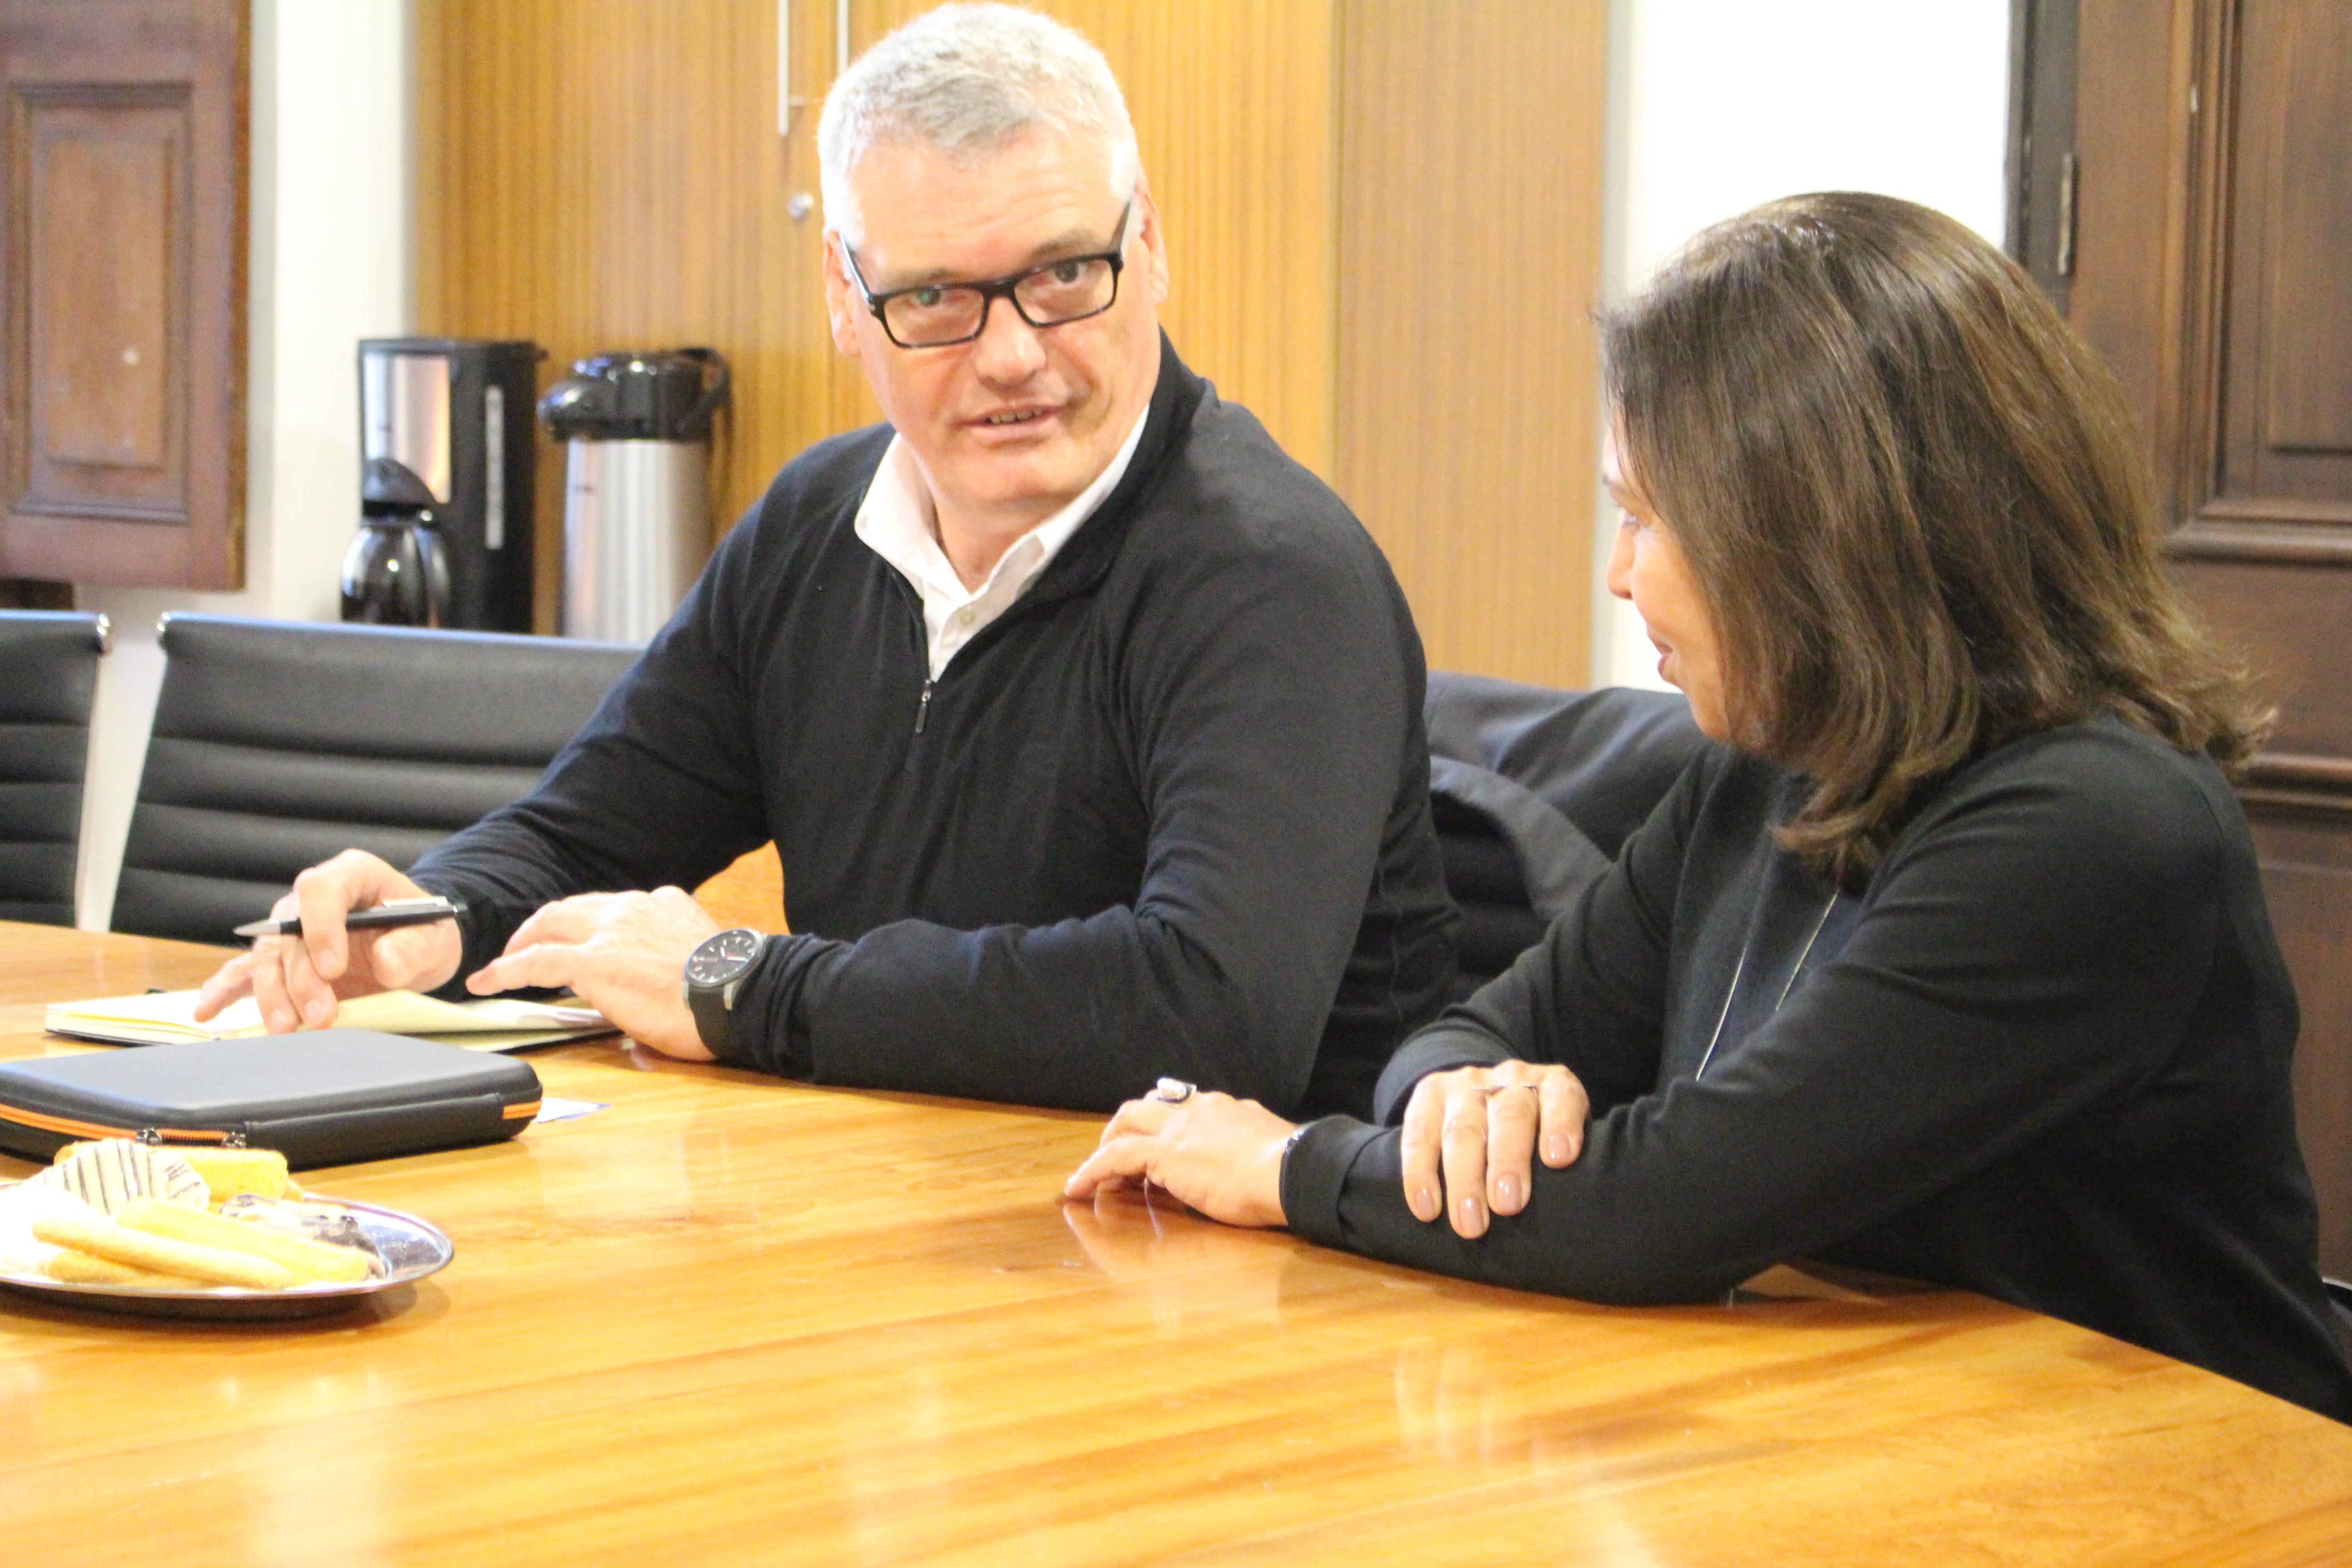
(723, 957)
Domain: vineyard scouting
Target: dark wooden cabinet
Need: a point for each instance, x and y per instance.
(2211, 141)
(122, 238)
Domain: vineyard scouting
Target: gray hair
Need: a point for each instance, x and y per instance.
(966, 80)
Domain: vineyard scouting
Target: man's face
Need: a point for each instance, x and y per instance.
(1009, 427)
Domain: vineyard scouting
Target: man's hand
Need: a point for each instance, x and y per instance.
(1483, 1123)
(297, 981)
(1220, 1155)
(625, 954)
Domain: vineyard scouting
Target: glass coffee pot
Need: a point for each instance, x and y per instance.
(396, 573)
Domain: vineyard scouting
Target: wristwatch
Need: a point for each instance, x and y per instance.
(714, 972)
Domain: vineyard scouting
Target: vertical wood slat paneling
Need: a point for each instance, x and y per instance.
(1468, 266)
(1382, 217)
(606, 174)
(1233, 117)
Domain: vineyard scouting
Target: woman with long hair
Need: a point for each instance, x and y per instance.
(1952, 960)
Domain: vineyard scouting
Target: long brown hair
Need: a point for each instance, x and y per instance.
(1912, 499)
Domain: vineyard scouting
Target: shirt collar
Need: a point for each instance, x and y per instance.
(898, 522)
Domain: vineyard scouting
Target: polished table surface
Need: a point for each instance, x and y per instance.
(730, 1320)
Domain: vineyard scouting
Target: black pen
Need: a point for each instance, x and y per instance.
(398, 912)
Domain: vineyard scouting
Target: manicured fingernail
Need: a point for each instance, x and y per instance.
(1555, 1151)
(1424, 1203)
(1507, 1193)
(1472, 1219)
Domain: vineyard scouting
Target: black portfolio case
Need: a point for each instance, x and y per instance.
(326, 1099)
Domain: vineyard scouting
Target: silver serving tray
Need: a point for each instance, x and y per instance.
(412, 1248)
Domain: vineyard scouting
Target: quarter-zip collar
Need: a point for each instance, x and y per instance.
(899, 521)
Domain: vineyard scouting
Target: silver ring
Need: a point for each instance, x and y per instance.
(1174, 1090)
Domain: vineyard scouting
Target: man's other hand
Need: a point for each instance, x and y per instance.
(625, 953)
(297, 981)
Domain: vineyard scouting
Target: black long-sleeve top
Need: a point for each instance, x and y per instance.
(1168, 814)
(2044, 1055)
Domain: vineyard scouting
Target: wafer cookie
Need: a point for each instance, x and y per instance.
(308, 1261)
(103, 1238)
(81, 1268)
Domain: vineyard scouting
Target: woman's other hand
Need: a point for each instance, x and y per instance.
(1217, 1155)
(1482, 1126)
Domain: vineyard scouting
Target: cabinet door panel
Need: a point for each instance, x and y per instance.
(122, 235)
(104, 214)
(2215, 220)
(2286, 395)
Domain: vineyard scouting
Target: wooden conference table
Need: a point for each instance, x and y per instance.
(730, 1320)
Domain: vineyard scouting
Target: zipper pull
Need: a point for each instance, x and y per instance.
(923, 709)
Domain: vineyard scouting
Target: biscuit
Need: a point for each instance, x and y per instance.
(228, 1172)
(103, 1238)
(110, 1173)
(308, 1262)
(81, 1269)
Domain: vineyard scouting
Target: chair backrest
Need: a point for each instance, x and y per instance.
(277, 744)
(48, 678)
(1533, 791)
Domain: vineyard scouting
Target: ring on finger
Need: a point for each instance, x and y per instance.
(1173, 1090)
(1493, 1088)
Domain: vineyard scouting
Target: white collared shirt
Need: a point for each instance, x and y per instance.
(898, 522)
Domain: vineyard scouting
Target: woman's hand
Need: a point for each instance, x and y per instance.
(1217, 1155)
(1482, 1125)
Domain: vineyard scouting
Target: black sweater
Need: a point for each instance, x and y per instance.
(1168, 814)
(2043, 1056)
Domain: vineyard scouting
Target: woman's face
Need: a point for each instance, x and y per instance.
(1648, 569)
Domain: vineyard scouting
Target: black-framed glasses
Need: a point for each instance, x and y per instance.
(940, 315)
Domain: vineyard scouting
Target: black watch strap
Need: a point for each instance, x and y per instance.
(713, 1019)
(714, 974)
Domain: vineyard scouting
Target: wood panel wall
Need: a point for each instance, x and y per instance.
(2213, 218)
(1232, 101)
(1469, 267)
(606, 174)
(1383, 219)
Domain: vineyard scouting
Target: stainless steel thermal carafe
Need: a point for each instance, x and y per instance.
(636, 499)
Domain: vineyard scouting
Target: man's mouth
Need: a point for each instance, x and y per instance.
(1015, 417)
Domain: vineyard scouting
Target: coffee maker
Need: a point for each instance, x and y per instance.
(446, 474)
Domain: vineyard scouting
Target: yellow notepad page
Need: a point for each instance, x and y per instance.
(166, 1018)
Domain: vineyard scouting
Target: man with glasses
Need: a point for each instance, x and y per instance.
(1087, 725)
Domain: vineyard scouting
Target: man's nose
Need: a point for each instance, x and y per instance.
(1007, 351)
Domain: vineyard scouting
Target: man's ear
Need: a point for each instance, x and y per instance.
(841, 303)
(1154, 239)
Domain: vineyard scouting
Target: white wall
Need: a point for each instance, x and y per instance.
(1717, 105)
(329, 265)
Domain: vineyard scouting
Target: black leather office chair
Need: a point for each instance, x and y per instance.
(1534, 790)
(48, 678)
(277, 744)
